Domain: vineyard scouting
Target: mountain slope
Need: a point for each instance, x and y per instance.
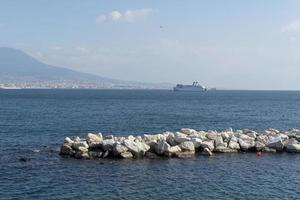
(18, 67)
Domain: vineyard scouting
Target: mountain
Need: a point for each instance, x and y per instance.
(21, 69)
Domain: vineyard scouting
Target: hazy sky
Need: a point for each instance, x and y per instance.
(233, 44)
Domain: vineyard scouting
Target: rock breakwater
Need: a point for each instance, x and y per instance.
(182, 144)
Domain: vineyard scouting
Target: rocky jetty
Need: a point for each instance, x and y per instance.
(182, 144)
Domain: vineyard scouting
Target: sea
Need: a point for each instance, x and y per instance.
(34, 123)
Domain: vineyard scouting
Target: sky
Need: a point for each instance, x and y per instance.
(230, 44)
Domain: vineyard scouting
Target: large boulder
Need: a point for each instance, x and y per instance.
(108, 144)
(197, 142)
(66, 149)
(80, 146)
(171, 139)
(259, 146)
(94, 140)
(68, 141)
(162, 148)
(208, 144)
(293, 148)
(212, 135)
(181, 137)
(262, 139)
(138, 149)
(276, 143)
(246, 144)
(234, 145)
(118, 149)
(187, 146)
(219, 142)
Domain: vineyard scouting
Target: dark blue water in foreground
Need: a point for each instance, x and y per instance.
(38, 120)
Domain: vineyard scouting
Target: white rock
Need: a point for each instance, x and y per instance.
(207, 152)
(225, 136)
(188, 131)
(246, 144)
(219, 142)
(68, 141)
(262, 139)
(81, 144)
(118, 149)
(208, 144)
(108, 144)
(126, 155)
(276, 143)
(197, 142)
(293, 148)
(136, 148)
(162, 148)
(181, 137)
(233, 145)
(174, 149)
(93, 139)
(187, 146)
(171, 139)
(212, 135)
(259, 146)
(131, 137)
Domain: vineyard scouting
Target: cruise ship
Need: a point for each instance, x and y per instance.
(195, 87)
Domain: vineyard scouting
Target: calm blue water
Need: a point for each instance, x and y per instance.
(33, 120)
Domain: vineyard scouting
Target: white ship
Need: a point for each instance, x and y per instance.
(195, 87)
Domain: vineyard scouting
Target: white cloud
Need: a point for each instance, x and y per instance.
(126, 16)
(292, 26)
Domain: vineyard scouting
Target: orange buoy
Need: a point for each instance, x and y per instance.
(258, 153)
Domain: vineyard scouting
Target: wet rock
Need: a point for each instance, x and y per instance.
(221, 149)
(95, 154)
(126, 155)
(65, 149)
(184, 154)
(151, 155)
(24, 159)
(82, 155)
(105, 154)
(269, 150)
(206, 152)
